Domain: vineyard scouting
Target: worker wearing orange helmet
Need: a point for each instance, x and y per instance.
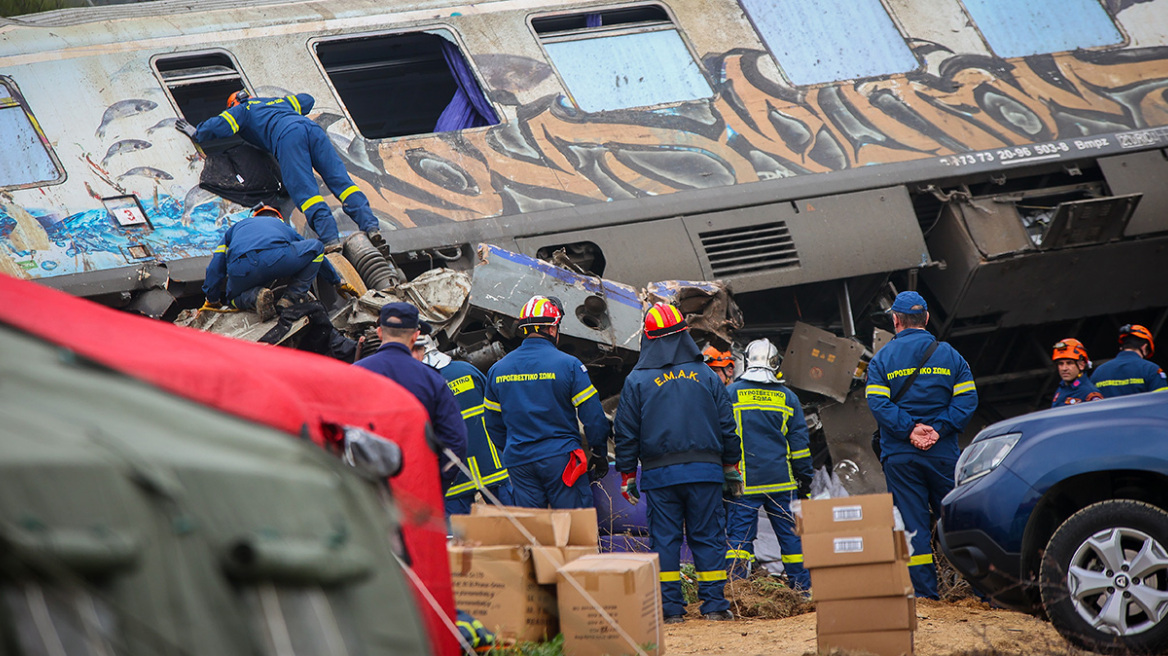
(722, 362)
(1070, 356)
(675, 419)
(1131, 372)
(533, 398)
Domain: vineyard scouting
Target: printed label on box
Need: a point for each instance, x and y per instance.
(848, 545)
(847, 513)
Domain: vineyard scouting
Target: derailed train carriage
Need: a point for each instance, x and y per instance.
(1004, 157)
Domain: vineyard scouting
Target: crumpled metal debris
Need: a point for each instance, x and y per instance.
(708, 307)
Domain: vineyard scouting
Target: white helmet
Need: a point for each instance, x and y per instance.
(762, 354)
(432, 356)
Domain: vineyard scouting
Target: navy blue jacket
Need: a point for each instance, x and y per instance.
(1128, 373)
(260, 121)
(483, 456)
(394, 361)
(675, 417)
(775, 441)
(942, 396)
(534, 395)
(255, 233)
(1078, 390)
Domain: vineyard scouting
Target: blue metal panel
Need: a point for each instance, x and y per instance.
(23, 158)
(1018, 29)
(830, 40)
(629, 70)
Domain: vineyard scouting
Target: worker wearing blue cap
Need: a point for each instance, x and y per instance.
(398, 327)
(922, 394)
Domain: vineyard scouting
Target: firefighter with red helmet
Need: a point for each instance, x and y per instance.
(534, 396)
(675, 418)
(1131, 372)
(1070, 356)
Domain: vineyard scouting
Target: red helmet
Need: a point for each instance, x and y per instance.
(1070, 349)
(267, 210)
(1136, 330)
(717, 359)
(663, 319)
(541, 311)
(236, 98)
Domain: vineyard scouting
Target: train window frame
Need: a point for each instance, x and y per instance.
(438, 30)
(793, 81)
(54, 608)
(192, 54)
(269, 604)
(543, 38)
(1124, 39)
(15, 100)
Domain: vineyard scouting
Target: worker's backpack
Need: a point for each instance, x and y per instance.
(242, 174)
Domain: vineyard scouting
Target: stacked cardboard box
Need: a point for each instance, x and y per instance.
(859, 574)
(627, 586)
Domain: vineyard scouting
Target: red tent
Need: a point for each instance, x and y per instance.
(292, 391)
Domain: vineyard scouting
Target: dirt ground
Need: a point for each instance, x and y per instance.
(966, 627)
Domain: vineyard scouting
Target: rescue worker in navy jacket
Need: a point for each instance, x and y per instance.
(281, 127)
(398, 329)
(534, 396)
(1070, 356)
(1130, 372)
(484, 458)
(918, 433)
(776, 463)
(254, 254)
(676, 420)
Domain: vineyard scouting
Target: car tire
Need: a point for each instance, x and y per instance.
(1104, 577)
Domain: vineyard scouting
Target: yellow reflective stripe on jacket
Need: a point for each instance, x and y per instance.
(348, 192)
(962, 388)
(295, 104)
(497, 477)
(793, 558)
(222, 248)
(767, 489)
(764, 407)
(318, 258)
(739, 554)
(310, 202)
(588, 393)
(877, 390)
(472, 412)
(230, 121)
(456, 490)
(716, 575)
(802, 453)
(492, 405)
(669, 577)
(923, 559)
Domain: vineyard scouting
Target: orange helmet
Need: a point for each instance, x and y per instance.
(663, 319)
(237, 97)
(717, 359)
(541, 311)
(266, 210)
(1136, 330)
(1070, 349)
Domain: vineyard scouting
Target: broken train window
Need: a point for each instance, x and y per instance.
(621, 58)
(199, 83)
(830, 40)
(395, 85)
(26, 159)
(1035, 27)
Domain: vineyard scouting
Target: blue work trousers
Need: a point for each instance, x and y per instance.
(917, 485)
(299, 261)
(460, 505)
(540, 484)
(742, 529)
(695, 511)
(299, 150)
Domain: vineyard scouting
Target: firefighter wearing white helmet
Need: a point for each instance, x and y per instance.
(776, 462)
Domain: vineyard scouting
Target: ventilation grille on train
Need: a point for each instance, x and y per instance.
(763, 247)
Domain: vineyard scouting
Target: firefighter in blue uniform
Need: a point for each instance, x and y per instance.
(776, 463)
(484, 458)
(1130, 372)
(1070, 356)
(280, 126)
(254, 254)
(918, 433)
(676, 420)
(533, 398)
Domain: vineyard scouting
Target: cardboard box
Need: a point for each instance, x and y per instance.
(548, 560)
(845, 514)
(874, 545)
(881, 643)
(862, 615)
(628, 588)
(549, 529)
(858, 581)
(584, 531)
(497, 586)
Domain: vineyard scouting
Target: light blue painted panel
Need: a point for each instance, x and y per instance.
(1015, 28)
(23, 158)
(830, 40)
(629, 70)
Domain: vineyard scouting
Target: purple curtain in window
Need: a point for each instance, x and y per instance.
(468, 108)
(592, 20)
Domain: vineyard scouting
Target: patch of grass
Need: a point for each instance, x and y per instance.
(553, 647)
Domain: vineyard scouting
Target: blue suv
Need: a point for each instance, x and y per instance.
(1065, 511)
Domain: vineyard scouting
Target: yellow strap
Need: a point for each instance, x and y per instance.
(962, 388)
(767, 489)
(877, 390)
(497, 477)
(221, 249)
(793, 558)
(310, 202)
(348, 192)
(716, 575)
(588, 393)
(295, 104)
(670, 577)
(802, 453)
(923, 559)
(230, 121)
(739, 554)
(472, 412)
(492, 405)
(318, 258)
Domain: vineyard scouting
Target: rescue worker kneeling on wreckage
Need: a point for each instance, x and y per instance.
(776, 463)
(533, 397)
(1070, 356)
(254, 254)
(280, 126)
(676, 419)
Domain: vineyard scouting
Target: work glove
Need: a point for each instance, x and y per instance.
(629, 487)
(186, 128)
(597, 466)
(733, 485)
(346, 290)
(804, 491)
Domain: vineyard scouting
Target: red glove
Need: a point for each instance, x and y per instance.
(629, 487)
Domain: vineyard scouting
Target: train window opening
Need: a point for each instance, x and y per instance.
(199, 83)
(301, 620)
(27, 158)
(1014, 29)
(396, 85)
(58, 620)
(813, 45)
(621, 58)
